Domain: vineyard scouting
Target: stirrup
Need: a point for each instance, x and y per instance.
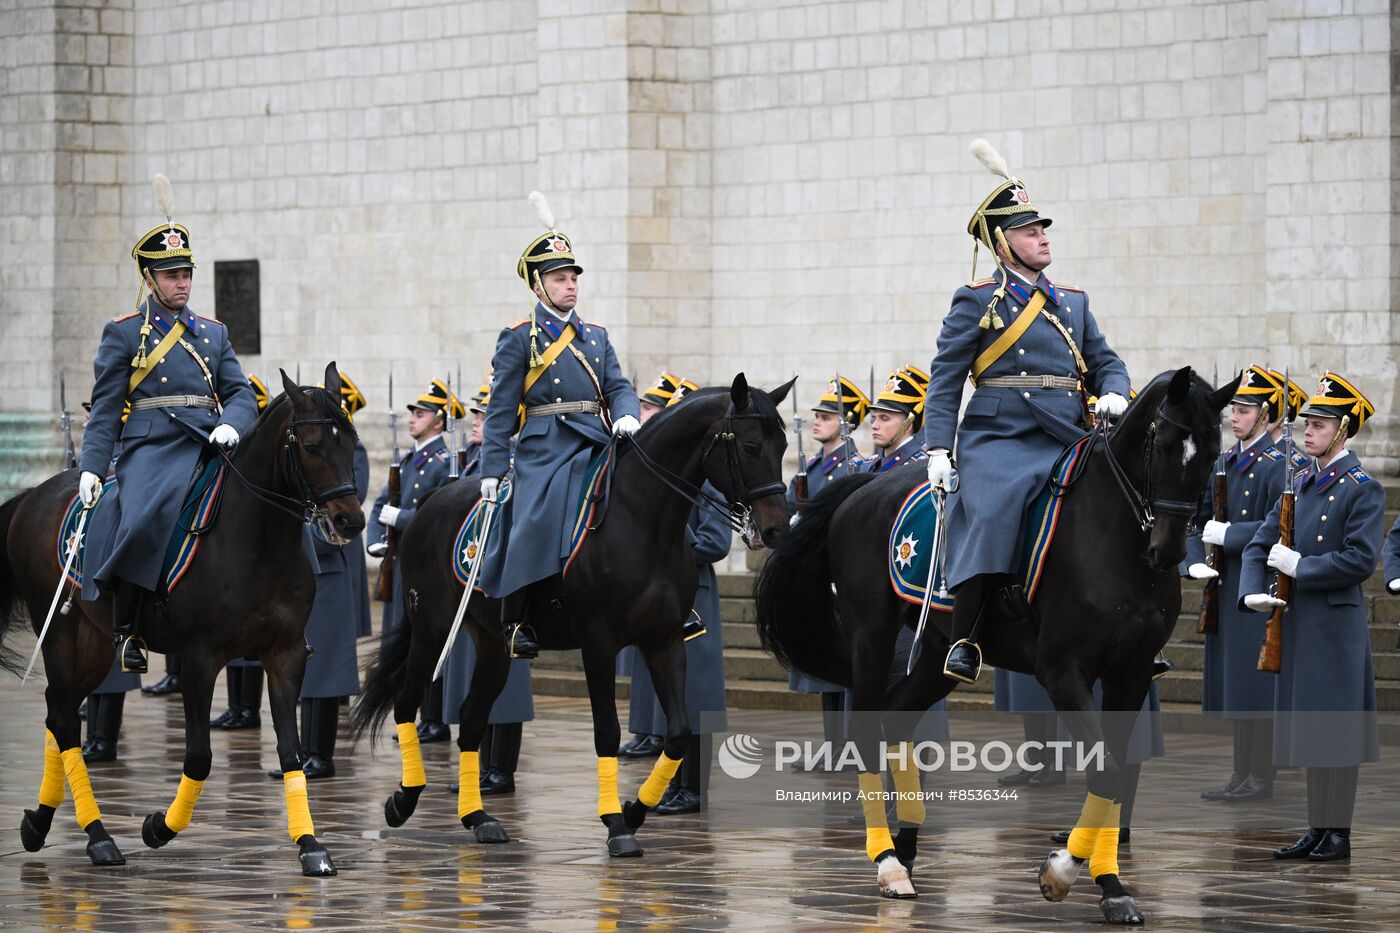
(139, 643)
(530, 650)
(961, 678)
(693, 627)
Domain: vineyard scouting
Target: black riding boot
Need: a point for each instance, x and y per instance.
(104, 728)
(320, 722)
(168, 684)
(126, 614)
(519, 639)
(693, 627)
(499, 776)
(94, 709)
(431, 728)
(964, 661)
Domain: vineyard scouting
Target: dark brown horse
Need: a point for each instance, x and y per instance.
(248, 593)
(631, 582)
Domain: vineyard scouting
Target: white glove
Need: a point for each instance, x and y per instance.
(490, 488)
(1394, 586)
(1200, 571)
(378, 549)
(1284, 559)
(1260, 601)
(1214, 532)
(89, 489)
(224, 435)
(1111, 405)
(389, 515)
(940, 470)
(626, 425)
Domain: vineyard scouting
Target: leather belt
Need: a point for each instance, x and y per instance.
(563, 408)
(174, 401)
(1029, 382)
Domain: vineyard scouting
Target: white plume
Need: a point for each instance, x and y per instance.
(989, 157)
(541, 207)
(165, 198)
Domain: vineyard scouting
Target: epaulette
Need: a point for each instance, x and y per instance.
(125, 317)
(211, 320)
(1061, 286)
(1273, 453)
(593, 324)
(1300, 460)
(1359, 475)
(982, 283)
(442, 455)
(524, 320)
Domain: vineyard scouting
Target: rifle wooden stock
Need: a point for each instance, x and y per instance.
(384, 586)
(1271, 652)
(799, 485)
(1215, 559)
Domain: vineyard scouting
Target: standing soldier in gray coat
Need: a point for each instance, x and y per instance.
(181, 377)
(1034, 353)
(1232, 686)
(896, 419)
(1326, 692)
(423, 469)
(558, 386)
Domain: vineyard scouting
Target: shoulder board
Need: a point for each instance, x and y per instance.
(514, 325)
(210, 320)
(982, 283)
(1273, 453)
(126, 317)
(1358, 474)
(1300, 459)
(441, 455)
(1062, 287)
(593, 324)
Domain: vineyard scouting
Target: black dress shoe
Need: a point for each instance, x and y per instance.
(964, 662)
(1047, 777)
(1251, 788)
(1017, 779)
(521, 642)
(1305, 844)
(678, 800)
(134, 656)
(1226, 789)
(1125, 835)
(495, 782)
(1161, 667)
(243, 718)
(225, 719)
(1334, 847)
(99, 749)
(647, 746)
(167, 685)
(430, 730)
(316, 768)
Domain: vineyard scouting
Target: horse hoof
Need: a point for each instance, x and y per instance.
(316, 861)
(634, 814)
(1057, 875)
(105, 852)
(624, 846)
(1121, 910)
(392, 816)
(154, 832)
(894, 880)
(490, 831)
(30, 833)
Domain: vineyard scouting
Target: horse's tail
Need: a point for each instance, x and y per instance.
(797, 621)
(381, 685)
(10, 603)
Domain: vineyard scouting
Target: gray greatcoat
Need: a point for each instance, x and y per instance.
(1022, 693)
(1326, 691)
(530, 540)
(420, 472)
(1391, 560)
(1232, 686)
(1009, 439)
(157, 460)
(334, 623)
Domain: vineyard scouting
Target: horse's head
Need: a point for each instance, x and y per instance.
(1181, 442)
(744, 459)
(319, 450)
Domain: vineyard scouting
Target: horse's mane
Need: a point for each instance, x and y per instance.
(326, 405)
(759, 398)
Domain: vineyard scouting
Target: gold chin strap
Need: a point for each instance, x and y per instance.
(1341, 433)
(535, 358)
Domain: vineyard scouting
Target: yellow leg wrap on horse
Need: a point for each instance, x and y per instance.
(1092, 820)
(51, 786)
(872, 804)
(655, 784)
(83, 800)
(468, 783)
(909, 805)
(298, 812)
(1104, 861)
(178, 817)
(413, 773)
(607, 787)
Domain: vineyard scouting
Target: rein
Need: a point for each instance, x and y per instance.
(1142, 503)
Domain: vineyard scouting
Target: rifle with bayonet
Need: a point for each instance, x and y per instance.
(1271, 651)
(464, 439)
(849, 461)
(384, 587)
(799, 485)
(65, 424)
(1209, 619)
(450, 430)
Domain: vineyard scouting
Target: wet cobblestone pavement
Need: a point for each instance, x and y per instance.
(235, 868)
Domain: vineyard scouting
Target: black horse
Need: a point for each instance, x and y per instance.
(631, 582)
(1107, 602)
(248, 593)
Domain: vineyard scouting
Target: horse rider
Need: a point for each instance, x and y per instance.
(896, 417)
(558, 385)
(181, 377)
(837, 455)
(424, 468)
(1232, 686)
(1034, 353)
(1325, 700)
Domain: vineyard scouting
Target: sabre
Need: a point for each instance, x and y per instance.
(65, 424)
(936, 568)
(73, 544)
(471, 584)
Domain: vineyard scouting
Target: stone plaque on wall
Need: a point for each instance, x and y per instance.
(237, 305)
